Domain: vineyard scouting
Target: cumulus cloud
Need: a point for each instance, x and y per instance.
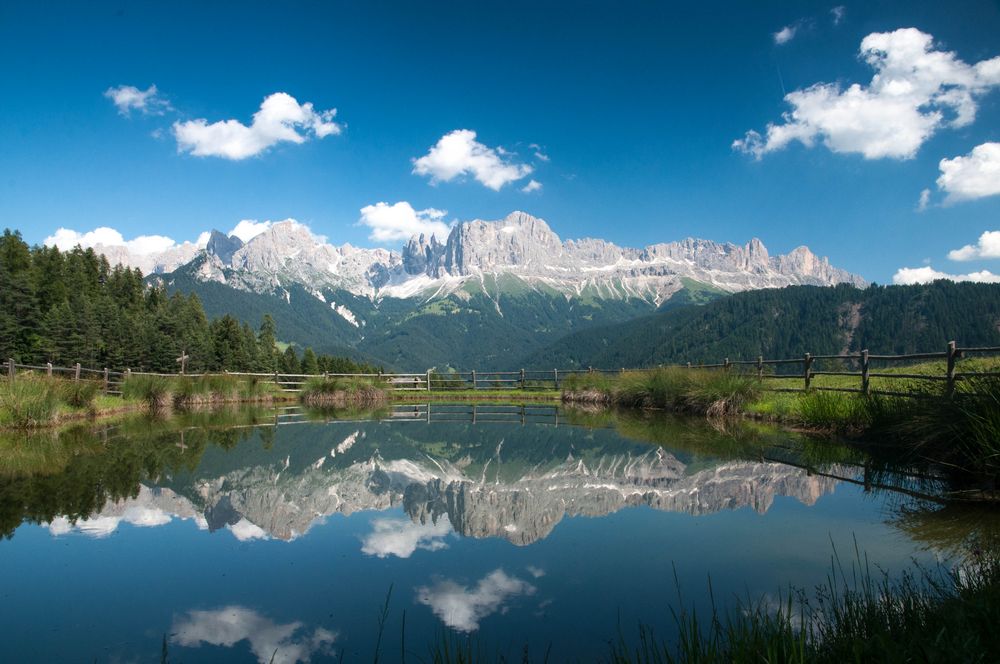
(103, 236)
(227, 626)
(461, 608)
(916, 90)
(923, 275)
(400, 537)
(280, 119)
(988, 246)
(459, 153)
(128, 98)
(248, 229)
(975, 175)
(399, 221)
(533, 185)
(786, 34)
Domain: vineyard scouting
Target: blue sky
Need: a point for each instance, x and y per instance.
(625, 114)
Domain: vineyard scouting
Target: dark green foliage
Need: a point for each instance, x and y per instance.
(69, 307)
(788, 322)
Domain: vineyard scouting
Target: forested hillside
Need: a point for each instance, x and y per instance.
(787, 322)
(68, 307)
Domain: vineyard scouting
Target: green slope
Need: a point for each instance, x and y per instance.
(787, 322)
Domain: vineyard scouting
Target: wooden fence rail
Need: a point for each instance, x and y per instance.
(534, 379)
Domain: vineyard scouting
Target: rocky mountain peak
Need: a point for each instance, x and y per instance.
(223, 246)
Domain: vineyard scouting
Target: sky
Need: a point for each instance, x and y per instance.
(868, 131)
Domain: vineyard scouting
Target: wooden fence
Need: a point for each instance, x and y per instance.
(767, 369)
(803, 369)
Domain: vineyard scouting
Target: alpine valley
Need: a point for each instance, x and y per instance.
(489, 295)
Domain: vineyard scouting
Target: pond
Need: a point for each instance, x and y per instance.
(249, 535)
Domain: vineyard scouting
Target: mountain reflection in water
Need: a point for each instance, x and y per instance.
(484, 480)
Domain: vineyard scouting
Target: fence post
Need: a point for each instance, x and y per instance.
(689, 365)
(590, 370)
(76, 371)
(428, 380)
(952, 356)
(725, 365)
(106, 379)
(555, 375)
(865, 380)
(128, 373)
(10, 368)
(474, 380)
(807, 361)
(48, 369)
(760, 367)
(522, 379)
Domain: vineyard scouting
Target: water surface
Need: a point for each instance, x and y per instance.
(239, 535)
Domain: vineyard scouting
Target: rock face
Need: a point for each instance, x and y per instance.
(519, 245)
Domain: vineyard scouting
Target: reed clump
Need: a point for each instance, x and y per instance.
(166, 392)
(926, 616)
(343, 391)
(711, 393)
(27, 402)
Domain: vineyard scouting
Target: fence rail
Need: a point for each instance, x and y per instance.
(534, 379)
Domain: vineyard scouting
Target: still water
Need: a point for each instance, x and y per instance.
(243, 536)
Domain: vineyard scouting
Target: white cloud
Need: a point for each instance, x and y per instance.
(924, 275)
(103, 236)
(539, 155)
(461, 608)
(916, 90)
(400, 537)
(786, 34)
(976, 175)
(279, 119)
(459, 153)
(838, 14)
(227, 626)
(399, 221)
(533, 185)
(248, 229)
(988, 246)
(925, 200)
(128, 97)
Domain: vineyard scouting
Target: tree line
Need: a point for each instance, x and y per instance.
(73, 306)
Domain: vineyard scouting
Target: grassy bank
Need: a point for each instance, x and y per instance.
(33, 401)
(961, 433)
(165, 392)
(343, 391)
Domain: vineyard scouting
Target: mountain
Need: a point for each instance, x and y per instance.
(491, 293)
(787, 322)
(520, 246)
